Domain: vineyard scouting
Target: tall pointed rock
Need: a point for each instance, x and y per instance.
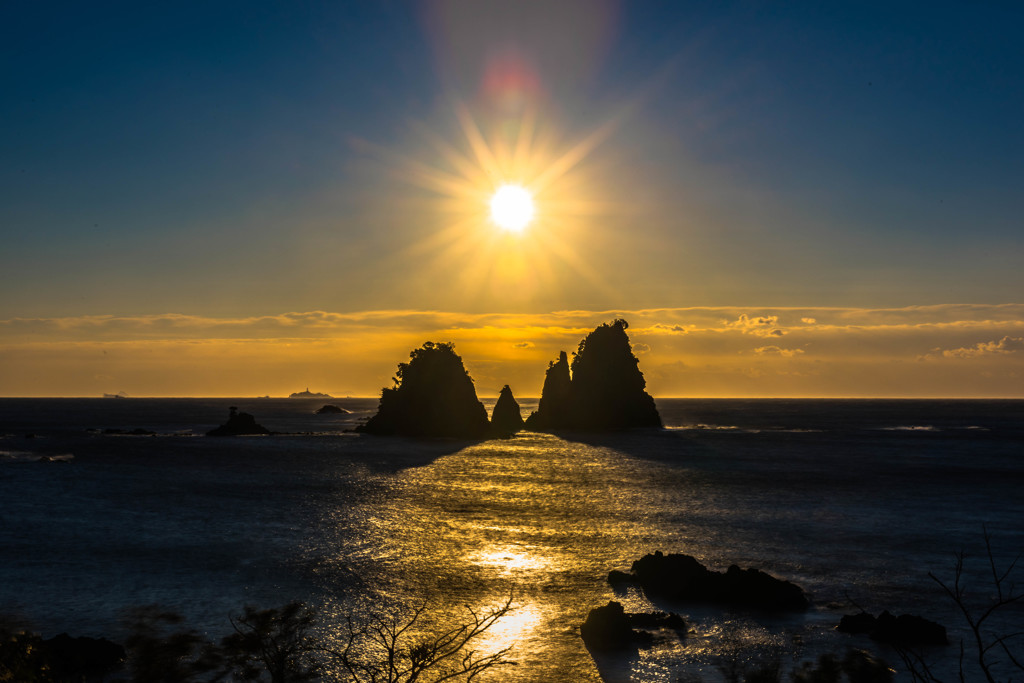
(506, 419)
(554, 408)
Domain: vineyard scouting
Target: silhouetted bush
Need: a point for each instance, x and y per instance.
(388, 649)
(161, 649)
(22, 657)
(275, 644)
(433, 395)
(987, 655)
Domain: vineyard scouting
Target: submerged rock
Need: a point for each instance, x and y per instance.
(682, 578)
(606, 390)
(506, 418)
(906, 629)
(238, 424)
(331, 409)
(433, 395)
(138, 431)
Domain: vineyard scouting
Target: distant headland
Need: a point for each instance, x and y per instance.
(309, 394)
(602, 390)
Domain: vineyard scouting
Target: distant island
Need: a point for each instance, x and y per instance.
(309, 394)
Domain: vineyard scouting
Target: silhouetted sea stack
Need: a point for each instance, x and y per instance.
(554, 409)
(238, 424)
(506, 418)
(605, 392)
(433, 396)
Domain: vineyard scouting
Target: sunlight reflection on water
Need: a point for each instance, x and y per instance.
(357, 524)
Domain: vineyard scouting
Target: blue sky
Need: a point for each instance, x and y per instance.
(248, 159)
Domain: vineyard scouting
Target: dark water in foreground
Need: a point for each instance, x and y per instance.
(858, 498)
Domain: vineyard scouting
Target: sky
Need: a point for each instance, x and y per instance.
(249, 198)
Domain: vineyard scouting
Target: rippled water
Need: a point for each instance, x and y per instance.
(858, 498)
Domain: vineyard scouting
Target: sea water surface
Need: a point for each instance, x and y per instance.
(854, 500)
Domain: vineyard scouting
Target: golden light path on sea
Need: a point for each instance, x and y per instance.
(541, 519)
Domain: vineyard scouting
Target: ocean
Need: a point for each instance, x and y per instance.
(857, 501)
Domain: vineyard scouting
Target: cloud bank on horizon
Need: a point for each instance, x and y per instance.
(923, 351)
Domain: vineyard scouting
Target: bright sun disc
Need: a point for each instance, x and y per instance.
(512, 207)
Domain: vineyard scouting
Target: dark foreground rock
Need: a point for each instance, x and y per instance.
(606, 390)
(611, 628)
(331, 409)
(238, 424)
(608, 628)
(682, 578)
(506, 418)
(433, 395)
(75, 659)
(906, 629)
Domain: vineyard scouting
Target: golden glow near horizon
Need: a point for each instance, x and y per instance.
(951, 350)
(512, 208)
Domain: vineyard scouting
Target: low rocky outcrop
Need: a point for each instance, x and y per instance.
(604, 391)
(506, 418)
(433, 395)
(906, 629)
(331, 409)
(681, 578)
(612, 628)
(608, 628)
(238, 424)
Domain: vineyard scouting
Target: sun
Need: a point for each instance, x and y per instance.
(512, 208)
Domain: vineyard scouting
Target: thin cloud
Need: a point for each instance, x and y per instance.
(991, 348)
(761, 325)
(662, 328)
(777, 351)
